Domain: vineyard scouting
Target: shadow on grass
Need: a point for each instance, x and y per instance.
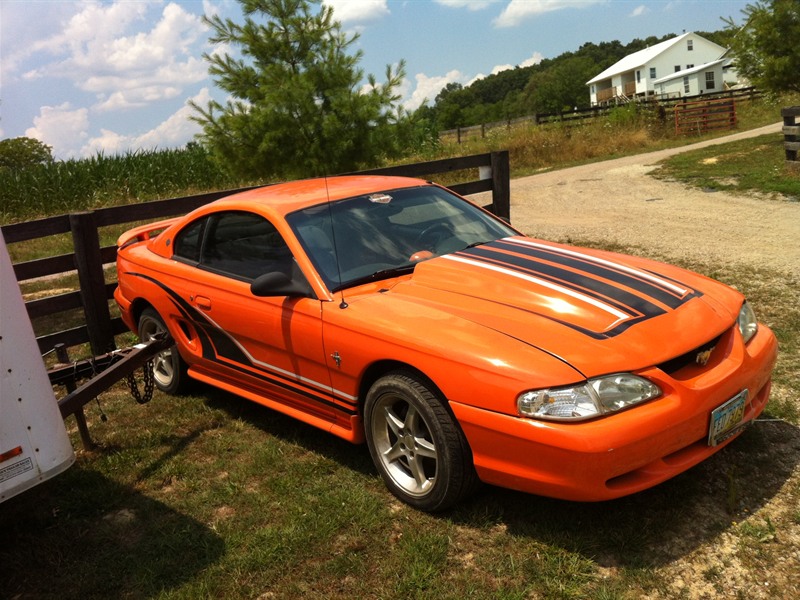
(648, 529)
(287, 429)
(659, 525)
(644, 530)
(81, 535)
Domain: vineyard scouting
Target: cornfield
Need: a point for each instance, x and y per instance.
(85, 184)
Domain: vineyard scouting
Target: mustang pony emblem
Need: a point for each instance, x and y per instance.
(703, 357)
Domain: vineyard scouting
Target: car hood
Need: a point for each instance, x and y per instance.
(599, 312)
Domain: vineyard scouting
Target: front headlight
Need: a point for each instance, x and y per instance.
(595, 397)
(748, 325)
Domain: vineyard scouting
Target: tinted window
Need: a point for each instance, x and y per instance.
(244, 245)
(189, 240)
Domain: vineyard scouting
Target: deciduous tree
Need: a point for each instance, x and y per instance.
(21, 152)
(766, 47)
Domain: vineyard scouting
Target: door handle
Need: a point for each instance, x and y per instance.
(202, 302)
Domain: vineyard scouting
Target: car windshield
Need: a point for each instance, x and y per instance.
(380, 235)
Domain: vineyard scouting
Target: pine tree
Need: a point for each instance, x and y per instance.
(297, 106)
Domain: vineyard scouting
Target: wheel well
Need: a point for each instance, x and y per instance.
(137, 308)
(377, 370)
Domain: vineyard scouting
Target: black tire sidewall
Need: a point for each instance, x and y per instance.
(454, 464)
(178, 382)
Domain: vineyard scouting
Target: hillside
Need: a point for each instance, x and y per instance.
(553, 85)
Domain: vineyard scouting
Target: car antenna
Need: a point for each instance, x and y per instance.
(343, 304)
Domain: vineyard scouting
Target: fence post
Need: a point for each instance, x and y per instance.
(89, 263)
(791, 135)
(501, 185)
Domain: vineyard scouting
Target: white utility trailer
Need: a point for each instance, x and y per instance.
(34, 445)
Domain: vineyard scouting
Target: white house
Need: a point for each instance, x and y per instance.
(665, 64)
(691, 82)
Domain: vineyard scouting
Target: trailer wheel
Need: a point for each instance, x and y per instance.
(169, 369)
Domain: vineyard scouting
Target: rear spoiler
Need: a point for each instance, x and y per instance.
(144, 232)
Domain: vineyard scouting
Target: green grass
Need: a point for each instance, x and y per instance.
(756, 164)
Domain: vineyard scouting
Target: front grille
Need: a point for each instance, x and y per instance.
(690, 358)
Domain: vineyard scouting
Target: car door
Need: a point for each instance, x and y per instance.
(267, 346)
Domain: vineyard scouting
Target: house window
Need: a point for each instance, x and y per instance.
(690, 45)
(686, 85)
(652, 72)
(677, 68)
(710, 80)
(638, 76)
(689, 66)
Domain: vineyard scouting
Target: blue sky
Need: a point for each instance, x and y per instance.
(91, 76)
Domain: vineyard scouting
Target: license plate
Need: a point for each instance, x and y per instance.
(726, 420)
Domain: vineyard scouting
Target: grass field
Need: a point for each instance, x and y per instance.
(211, 496)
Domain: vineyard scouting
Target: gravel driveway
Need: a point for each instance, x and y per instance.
(617, 201)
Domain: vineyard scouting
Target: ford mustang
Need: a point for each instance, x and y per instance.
(394, 312)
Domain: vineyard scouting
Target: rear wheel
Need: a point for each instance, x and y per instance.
(169, 369)
(416, 444)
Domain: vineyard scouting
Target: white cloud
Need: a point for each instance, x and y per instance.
(428, 87)
(470, 4)
(358, 11)
(500, 68)
(175, 131)
(60, 127)
(97, 54)
(108, 142)
(535, 59)
(639, 11)
(519, 10)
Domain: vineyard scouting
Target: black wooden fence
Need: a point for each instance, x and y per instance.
(89, 258)
(577, 116)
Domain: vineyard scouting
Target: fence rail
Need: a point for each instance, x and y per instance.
(656, 102)
(88, 258)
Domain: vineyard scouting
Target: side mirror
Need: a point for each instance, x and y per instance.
(276, 283)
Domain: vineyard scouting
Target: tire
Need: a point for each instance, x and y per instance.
(169, 369)
(416, 444)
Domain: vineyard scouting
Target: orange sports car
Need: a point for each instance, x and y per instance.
(392, 311)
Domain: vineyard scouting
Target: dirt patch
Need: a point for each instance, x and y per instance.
(619, 202)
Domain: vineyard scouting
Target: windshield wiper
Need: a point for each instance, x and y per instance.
(383, 274)
(475, 244)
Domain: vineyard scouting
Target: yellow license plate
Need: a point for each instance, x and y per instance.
(726, 420)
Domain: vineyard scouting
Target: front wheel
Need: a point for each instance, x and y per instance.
(416, 444)
(169, 369)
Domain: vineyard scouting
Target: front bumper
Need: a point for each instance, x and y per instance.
(628, 452)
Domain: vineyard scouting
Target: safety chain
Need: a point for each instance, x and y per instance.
(149, 383)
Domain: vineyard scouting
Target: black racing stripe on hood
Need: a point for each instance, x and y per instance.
(650, 288)
(628, 302)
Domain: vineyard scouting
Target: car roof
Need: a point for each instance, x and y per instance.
(288, 197)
